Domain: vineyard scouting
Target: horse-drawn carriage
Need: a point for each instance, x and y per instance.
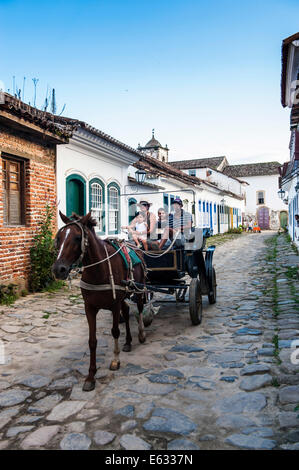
(184, 271)
(107, 283)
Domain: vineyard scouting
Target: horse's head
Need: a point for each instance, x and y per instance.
(71, 242)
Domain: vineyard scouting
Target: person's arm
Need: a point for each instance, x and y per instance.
(153, 222)
(188, 221)
(132, 224)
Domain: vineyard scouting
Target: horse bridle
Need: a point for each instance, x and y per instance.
(84, 240)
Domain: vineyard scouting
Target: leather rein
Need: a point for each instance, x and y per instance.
(101, 287)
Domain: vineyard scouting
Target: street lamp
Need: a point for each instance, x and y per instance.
(140, 176)
(281, 193)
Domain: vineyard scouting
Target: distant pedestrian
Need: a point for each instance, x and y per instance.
(297, 220)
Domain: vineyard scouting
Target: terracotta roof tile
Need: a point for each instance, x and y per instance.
(213, 162)
(40, 118)
(252, 169)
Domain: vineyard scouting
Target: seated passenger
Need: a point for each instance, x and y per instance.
(180, 223)
(150, 219)
(162, 223)
(139, 230)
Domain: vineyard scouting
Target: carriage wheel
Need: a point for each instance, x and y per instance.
(195, 302)
(212, 296)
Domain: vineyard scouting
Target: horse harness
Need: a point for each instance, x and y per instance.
(112, 286)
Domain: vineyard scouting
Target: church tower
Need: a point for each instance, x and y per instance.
(154, 149)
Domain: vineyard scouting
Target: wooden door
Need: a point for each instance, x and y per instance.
(75, 197)
(283, 219)
(263, 218)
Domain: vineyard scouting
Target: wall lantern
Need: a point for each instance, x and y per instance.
(281, 193)
(140, 176)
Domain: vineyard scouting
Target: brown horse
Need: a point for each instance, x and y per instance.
(77, 242)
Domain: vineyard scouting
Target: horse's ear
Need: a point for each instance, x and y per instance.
(88, 220)
(64, 218)
(84, 220)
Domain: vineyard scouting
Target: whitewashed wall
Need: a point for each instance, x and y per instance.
(293, 207)
(223, 181)
(269, 184)
(91, 157)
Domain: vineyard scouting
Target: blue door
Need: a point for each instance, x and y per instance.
(211, 216)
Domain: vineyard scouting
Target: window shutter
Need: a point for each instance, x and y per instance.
(12, 192)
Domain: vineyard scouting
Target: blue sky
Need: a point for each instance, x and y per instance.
(205, 75)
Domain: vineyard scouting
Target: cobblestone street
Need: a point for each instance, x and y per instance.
(228, 383)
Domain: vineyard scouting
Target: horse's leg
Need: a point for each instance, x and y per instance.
(91, 314)
(141, 332)
(115, 363)
(125, 309)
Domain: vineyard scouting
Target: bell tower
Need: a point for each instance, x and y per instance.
(155, 150)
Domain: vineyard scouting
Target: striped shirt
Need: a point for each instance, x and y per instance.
(182, 221)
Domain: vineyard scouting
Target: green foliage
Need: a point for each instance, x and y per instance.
(43, 253)
(8, 294)
(236, 230)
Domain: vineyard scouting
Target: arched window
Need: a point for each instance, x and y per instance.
(97, 203)
(75, 195)
(113, 208)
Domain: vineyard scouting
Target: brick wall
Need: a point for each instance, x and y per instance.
(40, 188)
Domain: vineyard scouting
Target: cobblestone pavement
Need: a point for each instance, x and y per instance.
(225, 384)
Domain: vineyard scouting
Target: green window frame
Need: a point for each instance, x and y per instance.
(97, 204)
(69, 202)
(132, 201)
(114, 212)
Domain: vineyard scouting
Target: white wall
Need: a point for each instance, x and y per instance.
(91, 157)
(293, 207)
(221, 180)
(269, 184)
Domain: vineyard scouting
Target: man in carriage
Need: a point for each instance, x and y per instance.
(180, 224)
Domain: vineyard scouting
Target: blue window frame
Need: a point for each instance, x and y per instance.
(204, 206)
(199, 206)
(132, 209)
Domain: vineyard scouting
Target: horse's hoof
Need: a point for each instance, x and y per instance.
(141, 338)
(114, 365)
(127, 347)
(88, 386)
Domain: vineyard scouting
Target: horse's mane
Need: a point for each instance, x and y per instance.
(90, 223)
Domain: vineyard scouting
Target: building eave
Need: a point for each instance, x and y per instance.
(101, 146)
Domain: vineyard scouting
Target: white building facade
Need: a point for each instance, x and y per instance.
(92, 172)
(220, 199)
(289, 181)
(262, 203)
(213, 205)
